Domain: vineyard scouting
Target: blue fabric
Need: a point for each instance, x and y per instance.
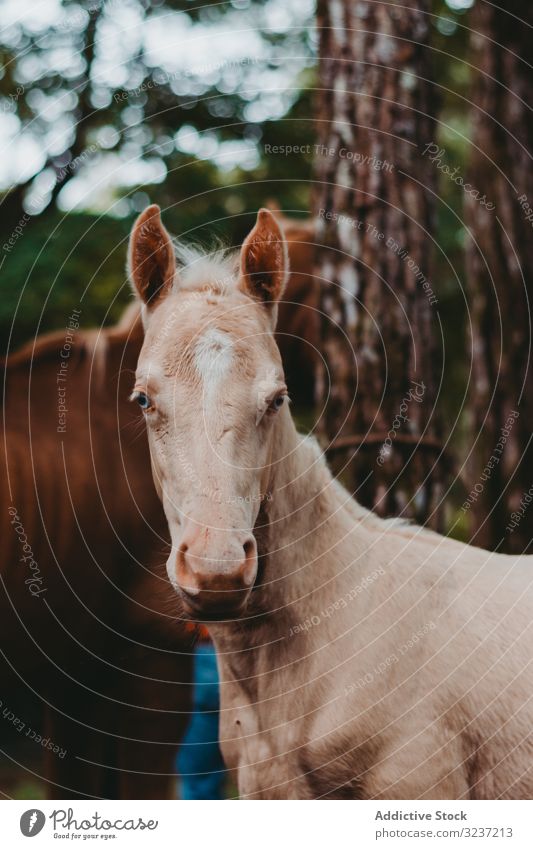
(199, 759)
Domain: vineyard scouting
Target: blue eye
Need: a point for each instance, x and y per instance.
(277, 402)
(143, 401)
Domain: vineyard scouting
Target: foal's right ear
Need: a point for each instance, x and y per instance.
(151, 258)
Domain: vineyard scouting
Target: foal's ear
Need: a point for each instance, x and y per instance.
(152, 263)
(264, 261)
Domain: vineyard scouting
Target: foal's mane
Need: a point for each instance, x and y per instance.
(199, 267)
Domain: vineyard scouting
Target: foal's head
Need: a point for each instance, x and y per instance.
(211, 386)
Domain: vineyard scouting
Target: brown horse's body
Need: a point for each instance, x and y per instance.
(79, 631)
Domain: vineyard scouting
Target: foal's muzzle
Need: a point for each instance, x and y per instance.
(215, 572)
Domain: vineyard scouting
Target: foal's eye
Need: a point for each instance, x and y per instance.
(143, 400)
(277, 402)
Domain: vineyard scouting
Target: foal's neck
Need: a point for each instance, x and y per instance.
(304, 532)
(302, 489)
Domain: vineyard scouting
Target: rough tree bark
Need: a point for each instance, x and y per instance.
(375, 213)
(500, 277)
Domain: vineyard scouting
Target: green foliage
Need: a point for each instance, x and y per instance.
(95, 71)
(60, 263)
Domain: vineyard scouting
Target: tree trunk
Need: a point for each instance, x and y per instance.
(375, 210)
(500, 277)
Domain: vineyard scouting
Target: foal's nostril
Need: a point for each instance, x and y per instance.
(181, 560)
(185, 575)
(250, 561)
(249, 548)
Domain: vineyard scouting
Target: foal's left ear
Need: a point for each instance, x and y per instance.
(264, 261)
(152, 262)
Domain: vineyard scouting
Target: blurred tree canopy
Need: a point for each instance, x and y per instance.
(125, 100)
(106, 105)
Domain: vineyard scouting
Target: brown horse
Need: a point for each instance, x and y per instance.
(359, 658)
(86, 630)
